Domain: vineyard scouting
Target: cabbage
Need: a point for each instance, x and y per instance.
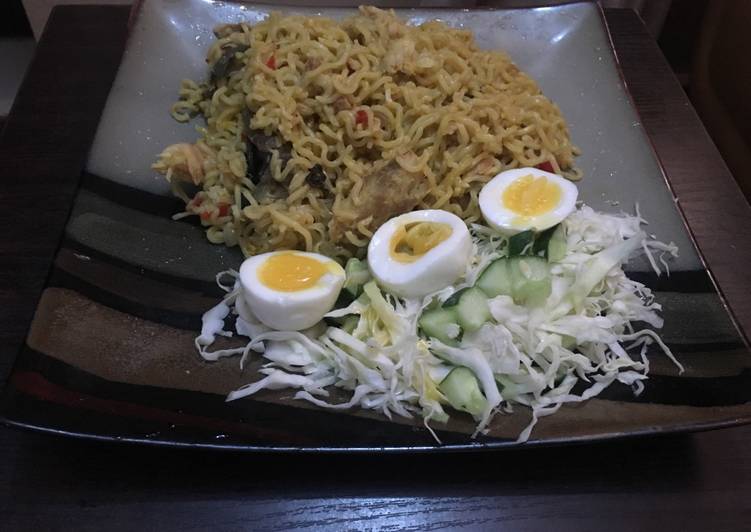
(276, 379)
(531, 357)
(595, 269)
(474, 359)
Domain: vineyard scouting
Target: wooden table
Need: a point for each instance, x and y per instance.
(686, 482)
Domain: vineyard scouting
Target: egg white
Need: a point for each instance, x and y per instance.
(507, 221)
(294, 310)
(436, 269)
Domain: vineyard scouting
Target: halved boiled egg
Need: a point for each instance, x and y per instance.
(290, 290)
(419, 252)
(526, 198)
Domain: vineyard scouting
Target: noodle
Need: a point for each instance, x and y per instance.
(358, 121)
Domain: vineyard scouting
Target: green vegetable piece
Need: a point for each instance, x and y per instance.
(357, 274)
(473, 309)
(346, 323)
(349, 323)
(344, 299)
(557, 244)
(495, 280)
(440, 323)
(520, 243)
(530, 280)
(462, 391)
(454, 299)
(568, 342)
(540, 246)
(551, 243)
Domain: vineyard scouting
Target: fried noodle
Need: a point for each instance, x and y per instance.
(353, 122)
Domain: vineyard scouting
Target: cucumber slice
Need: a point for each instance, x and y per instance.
(495, 280)
(520, 242)
(568, 342)
(462, 391)
(472, 309)
(551, 243)
(357, 274)
(541, 242)
(441, 323)
(454, 299)
(557, 244)
(530, 278)
(349, 323)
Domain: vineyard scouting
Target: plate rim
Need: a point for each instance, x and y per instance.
(688, 427)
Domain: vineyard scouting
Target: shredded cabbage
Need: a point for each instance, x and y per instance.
(585, 332)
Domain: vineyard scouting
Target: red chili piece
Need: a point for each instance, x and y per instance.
(546, 166)
(361, 117)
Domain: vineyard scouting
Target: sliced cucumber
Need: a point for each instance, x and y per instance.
(357, 274)
(495, 280)
(541, 241)
(530, 277)
(462, 391)
(454, 299)
(441, 323)
(472, 309)
(520, 243)
(349, 323)
(568, 342)
(525, 278)
(551, 243)
(557, 244)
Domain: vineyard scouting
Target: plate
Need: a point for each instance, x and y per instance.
(110, 352)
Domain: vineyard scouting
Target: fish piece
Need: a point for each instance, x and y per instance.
(386, 192)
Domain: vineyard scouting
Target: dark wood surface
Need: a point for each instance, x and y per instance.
(688, 482)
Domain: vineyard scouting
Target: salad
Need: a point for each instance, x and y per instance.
(446, 319)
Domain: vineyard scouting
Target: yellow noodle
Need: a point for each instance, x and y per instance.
(443, 110)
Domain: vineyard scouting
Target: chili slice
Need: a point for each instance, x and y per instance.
(546, 166)
(361, 117)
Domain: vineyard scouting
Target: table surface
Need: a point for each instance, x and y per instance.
(681, 482)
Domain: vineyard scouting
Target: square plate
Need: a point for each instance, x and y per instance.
(110, 351)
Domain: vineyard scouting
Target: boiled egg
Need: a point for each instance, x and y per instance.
(526, 198)
(290, 290)
(419, 252)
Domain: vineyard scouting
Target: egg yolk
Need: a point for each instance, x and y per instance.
(289, 272)
(529, 196)
(412, 241)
